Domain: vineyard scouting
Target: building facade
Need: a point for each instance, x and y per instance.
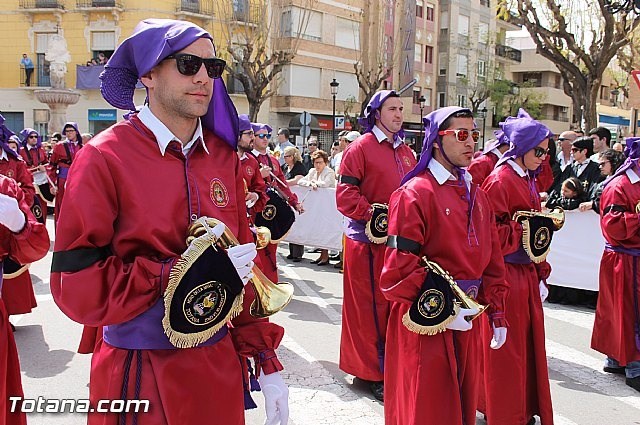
(92, 29)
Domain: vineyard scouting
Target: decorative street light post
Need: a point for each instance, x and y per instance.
(422, 101)
(484, 123)
(334, 91)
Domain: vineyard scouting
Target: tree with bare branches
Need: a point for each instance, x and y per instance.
(377, 56)
(580, 37)
(261, 37)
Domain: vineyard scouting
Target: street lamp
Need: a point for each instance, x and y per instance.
(614, 97)
(334, 91)
(484, 123)
(422, 101)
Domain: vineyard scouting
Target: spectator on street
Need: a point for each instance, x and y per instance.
(570, 196)
(293, 171)
(282, 143)
(312, 146)
(319, 176)
(609, 161)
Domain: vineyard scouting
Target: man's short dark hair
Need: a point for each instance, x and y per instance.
(461, 114)
(284, 132)
(585, 142)
(602, 133)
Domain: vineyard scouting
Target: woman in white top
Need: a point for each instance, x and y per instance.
(319, 176)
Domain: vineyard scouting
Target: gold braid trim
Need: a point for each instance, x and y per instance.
(17, 272)
(429, 330)
(179, 339)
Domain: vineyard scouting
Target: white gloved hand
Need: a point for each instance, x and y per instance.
(544, 291)
(251, 199)
(10, 214)
(460, 323)
(242, 258)
(499, 337)
(276, 398)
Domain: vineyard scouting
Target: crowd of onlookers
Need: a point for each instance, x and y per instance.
(100, 60)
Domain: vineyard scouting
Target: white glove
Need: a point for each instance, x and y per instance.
(10, 214)
(460, 323)
(276, 398)
(499, 337)
(544, 291)
(251, 199)
(242, 258)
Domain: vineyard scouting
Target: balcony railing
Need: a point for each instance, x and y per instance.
(249, 13)
(87, 4)
(41, 4)
(509, 53)
(39, 77)
(199, 7)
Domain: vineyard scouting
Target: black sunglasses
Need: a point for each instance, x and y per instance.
(189, 64)
(264, 136)
(540, 152)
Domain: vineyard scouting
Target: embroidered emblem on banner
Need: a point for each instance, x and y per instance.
(218, 193)
(381, 223)
(269, 212)
(431, 303)
(541, 238)
(204, 303)
(37, 211)
(249, 171)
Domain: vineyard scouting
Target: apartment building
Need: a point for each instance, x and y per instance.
(90, 28)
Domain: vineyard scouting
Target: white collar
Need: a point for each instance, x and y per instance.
(163, 135)
(31, 147)
(517, 168)
(496, 152)
(3, 155)
(633, 177)
(256, 153)
(584, 163)
(382, 137)
(244, 156)
(442, 175)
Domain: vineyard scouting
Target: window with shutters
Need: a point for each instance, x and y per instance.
(102, 42)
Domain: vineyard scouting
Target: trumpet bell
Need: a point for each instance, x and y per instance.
(270, 297)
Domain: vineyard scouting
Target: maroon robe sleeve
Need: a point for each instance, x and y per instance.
(509, 231)
(494, 289)
(108, 291)
(350, 201)
(619, 227)
(480, 168)
(24, 177)
(402, 275)
(32, 242)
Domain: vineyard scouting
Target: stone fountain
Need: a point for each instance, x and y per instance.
(58, 97)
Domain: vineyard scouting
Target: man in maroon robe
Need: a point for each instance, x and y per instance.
(371, 169)
(24, 240)
(616, 331)
(61, 159)
(271, 172)
(132, 194)
(438, 213)
(516, 378)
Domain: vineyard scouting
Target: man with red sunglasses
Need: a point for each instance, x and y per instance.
(134, 194)
(432, 361)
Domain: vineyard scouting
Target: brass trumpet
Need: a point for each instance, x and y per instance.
(464, 300)
(556, 215)
(270, 297)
